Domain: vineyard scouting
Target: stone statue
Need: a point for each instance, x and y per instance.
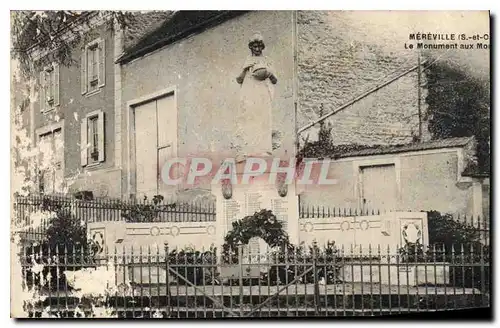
(253, 134)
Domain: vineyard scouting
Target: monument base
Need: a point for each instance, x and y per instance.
(411, 274)
(236, 201)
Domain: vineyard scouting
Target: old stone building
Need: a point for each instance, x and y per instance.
(167, 89)
(70, 116)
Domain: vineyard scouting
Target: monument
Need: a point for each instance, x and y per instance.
(253, 120)
(252, 138)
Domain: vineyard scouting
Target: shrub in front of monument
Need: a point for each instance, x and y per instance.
(412, 253)
(145, 211)
(285, 262)
(325, 263)
(457, 244)
(65, 245)
(446, 239)
(193, 266)
(63, 252)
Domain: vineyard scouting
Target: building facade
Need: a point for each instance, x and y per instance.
(71, 122)
(126, 107)
(418, 177)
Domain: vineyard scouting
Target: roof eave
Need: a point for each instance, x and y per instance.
(214, 21)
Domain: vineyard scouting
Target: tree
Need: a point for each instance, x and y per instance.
(56, 32)
(459, 106)
(65, 244)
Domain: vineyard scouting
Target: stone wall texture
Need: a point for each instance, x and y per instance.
(338, 60)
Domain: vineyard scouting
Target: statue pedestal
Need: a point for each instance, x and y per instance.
(246, 199)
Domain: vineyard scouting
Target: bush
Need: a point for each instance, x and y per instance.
(457, 244)
(446, 231)
(263, 224)
(147, 211)
(447, 237)
(295, 260)
(197, 267)
(64, 248)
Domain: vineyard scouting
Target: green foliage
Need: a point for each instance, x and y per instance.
(65, 242)
(412, 253)
(444, 230)
(298, 259)
(146, 211)
(197, 267)
(262, 224)
(459, 106)
(456, 243)
(324, 147)
(448, 238)
(54, 31)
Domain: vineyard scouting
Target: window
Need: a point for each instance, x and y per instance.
(92, 139)
(49, 88)
(92, 67)
(50, 161)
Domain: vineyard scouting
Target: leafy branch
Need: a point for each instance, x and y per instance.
(55, 32)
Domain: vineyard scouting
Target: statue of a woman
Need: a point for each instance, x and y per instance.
(253, 118)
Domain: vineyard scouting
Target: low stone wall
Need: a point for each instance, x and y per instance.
(354, 235)
(139, 236)
(411, 274)
(366, 234)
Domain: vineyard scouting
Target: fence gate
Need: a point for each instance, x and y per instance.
(242, 273)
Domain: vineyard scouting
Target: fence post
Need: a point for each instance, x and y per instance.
(482, 265)
(240, 265)
(315, 277)
(167, 282)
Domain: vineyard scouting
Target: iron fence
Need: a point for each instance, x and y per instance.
(479, 224)
(102, 210)
(155, 282)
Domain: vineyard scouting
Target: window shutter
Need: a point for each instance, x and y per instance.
(100, 135)
(89, 69)
(102, 61)
(83, 71)
(43, 100)
(83, 142)
(56, 84)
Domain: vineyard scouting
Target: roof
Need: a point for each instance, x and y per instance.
(434, 144)
(180, 25)
(475, 170)
(142, 24)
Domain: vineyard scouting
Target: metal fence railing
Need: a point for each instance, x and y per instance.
(317, 211)
(33, 227)
(101, 210)
(293, 281)
(479, 224)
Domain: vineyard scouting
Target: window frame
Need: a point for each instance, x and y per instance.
(93, 57)
(93, 136)
(93, 73)
(49, 85)
(43, 131)
(87, 160)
